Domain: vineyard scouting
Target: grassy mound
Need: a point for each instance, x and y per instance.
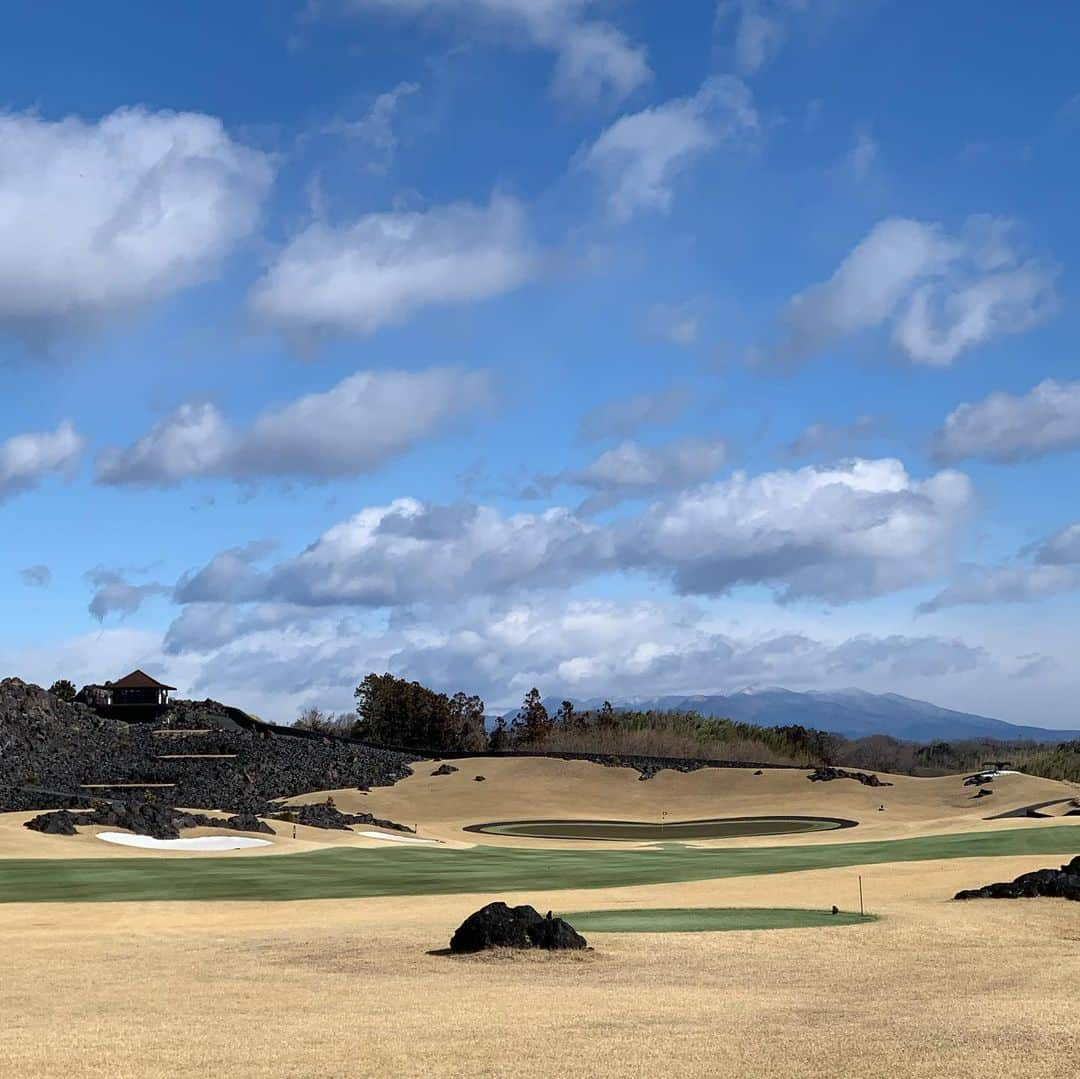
(343, 872)
(707, 919)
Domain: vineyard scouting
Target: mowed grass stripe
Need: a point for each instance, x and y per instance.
(343, 873)
(708, 919)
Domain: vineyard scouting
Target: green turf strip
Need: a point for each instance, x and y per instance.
(343, 873)
(707, 919)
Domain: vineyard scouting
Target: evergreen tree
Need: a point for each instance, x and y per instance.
(499, 741)
(395, 712)
(532, 724)
(64, 689)
(566, 717)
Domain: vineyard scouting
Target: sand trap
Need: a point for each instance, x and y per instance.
(397, 838)
(203, 842)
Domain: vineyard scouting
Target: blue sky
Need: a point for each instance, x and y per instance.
(613, 346)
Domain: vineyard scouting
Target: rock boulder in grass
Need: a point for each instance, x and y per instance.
(1063, 883)
(867, 779)
(500, 926)
(445, 770)
(248, 822)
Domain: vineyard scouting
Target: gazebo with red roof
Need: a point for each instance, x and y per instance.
(137, 688)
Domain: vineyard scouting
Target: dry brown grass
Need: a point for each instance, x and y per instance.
(662, 742)
(519, 788)
(348, 989)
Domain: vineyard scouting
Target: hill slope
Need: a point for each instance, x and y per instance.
(853, 713)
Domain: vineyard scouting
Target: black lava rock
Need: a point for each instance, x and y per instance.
(445, 770)
(326, 815)
(59, 823)
(824, 775)
(983, 792)
(155, 820)
(1063, 883)
(479, 779)
(500, 926)
(248, 822)
(50, 749)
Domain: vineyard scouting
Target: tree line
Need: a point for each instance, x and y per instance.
(392, 711)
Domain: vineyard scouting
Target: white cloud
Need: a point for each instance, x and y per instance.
(862, 155)
(1062, 548)
(105, 653)
(939, 295)
(408, 552)
(829, 438)
(678, 323)
(596, 62)
(1055, 571)
(1008, 427)
(581, 648)
(385, 267)
(365, 420)
(620, 419)
(761, 28)
(25, 460)
(230, 575)
(375, 129)
(206, 627)
(639, 158)
(99, 219)
(854, 530)
(630, 470)
(1004, 584)
(38, 576)
(114, 593)
(193, 440)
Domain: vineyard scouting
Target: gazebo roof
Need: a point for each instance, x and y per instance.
(137, 680)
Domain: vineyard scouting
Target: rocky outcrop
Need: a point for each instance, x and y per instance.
(824, 775)
(445, 770)
(50, 748)
(327, 815)
(158, 821)
(1063, 883)
(500, 926)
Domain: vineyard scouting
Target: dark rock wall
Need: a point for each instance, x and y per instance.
(51, 746)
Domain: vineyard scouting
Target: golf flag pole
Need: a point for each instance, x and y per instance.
(862, 913)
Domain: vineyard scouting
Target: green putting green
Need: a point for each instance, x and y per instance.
(708, 919)
(340, 873)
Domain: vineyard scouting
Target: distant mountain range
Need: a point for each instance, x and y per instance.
(853, 713)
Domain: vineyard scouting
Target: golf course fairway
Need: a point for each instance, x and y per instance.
(351, 873)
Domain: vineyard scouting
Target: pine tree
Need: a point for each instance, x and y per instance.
(532, 724)
(566, 717)
(606, 720)
(499, 740)
(63, 688)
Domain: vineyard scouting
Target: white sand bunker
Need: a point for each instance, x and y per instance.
(202, 842)
(397, 838)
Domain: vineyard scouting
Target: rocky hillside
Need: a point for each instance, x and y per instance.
(196, 756)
